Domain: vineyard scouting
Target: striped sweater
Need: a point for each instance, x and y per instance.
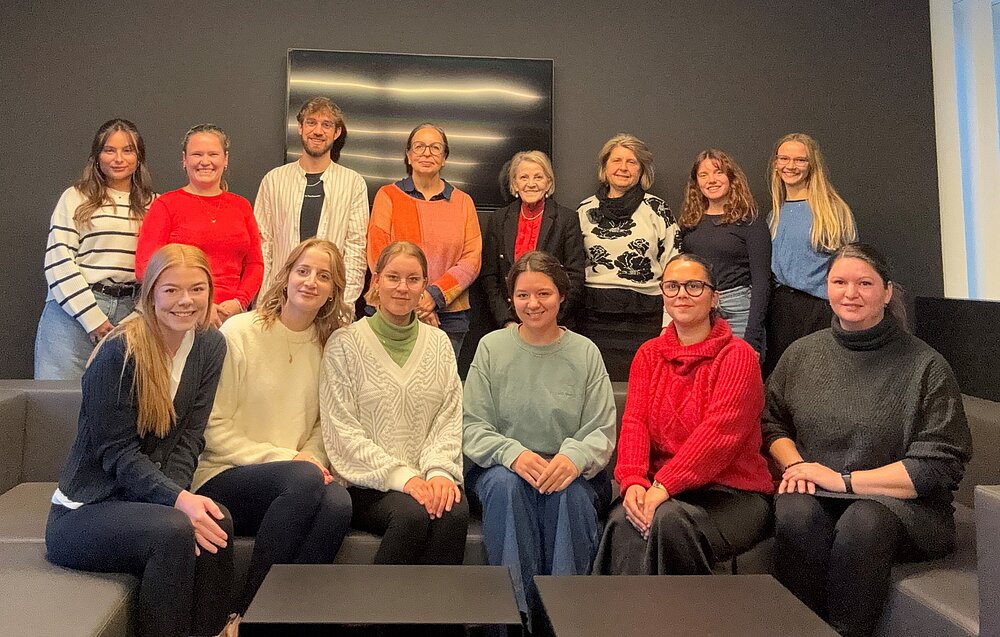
(692, 416)
(384, 424)
(76, 258)
(447, 230)
(343, 221)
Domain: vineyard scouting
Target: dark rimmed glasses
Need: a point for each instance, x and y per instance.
(694, 288)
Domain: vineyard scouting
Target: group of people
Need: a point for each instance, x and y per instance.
(293, 422)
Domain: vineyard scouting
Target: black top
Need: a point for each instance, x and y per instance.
(740, 255)
(312, 206)
(559, 235)
(108, 459)
(862, 400)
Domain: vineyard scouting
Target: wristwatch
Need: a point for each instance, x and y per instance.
(847, 482)
(657, 485)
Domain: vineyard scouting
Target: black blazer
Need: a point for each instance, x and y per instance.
(560, 236)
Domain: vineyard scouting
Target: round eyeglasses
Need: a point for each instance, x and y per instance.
(693, 288)
(419, 148)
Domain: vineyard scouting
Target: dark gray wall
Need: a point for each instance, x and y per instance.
(682, 75)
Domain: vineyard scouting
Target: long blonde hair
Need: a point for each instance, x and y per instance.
(144, 342)
(832, 221)
(333, 314)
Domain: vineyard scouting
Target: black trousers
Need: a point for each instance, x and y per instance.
(618, 337)
(295, 517)
(792, 314)
(690, 533)
(836, 555)
(179, 594)
(409, 536)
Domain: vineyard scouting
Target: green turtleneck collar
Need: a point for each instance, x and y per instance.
(397, 340)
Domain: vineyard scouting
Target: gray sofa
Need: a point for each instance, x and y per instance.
(38, 423)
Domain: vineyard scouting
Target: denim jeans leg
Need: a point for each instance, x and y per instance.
(510, 528)
(734, 306)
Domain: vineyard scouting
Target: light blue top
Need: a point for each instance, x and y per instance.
(554, 398)
(793, 260)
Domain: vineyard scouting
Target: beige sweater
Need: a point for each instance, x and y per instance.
(267, 406)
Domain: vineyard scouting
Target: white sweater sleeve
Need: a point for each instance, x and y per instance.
(442, 451)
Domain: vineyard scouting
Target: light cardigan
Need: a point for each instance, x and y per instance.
(447, 230)
(76, 258)
(266, 407)
(343, 220)
(384, 424)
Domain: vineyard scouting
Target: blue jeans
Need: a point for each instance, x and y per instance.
(456, 326)
(534, 534)
(62, 346)
(734, 306)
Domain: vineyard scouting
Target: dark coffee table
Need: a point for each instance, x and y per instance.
(316, 595)
(694, 605)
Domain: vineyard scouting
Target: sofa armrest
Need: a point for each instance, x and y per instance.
(988, 558)
(13, 407)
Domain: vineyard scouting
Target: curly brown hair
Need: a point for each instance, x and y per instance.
(741, 206)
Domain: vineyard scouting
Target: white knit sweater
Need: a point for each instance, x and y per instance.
(267, 406)
(384, 424)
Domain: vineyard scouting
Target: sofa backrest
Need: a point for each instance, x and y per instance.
(50, 412)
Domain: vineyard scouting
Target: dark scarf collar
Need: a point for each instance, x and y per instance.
(619, 208)
(870, 339)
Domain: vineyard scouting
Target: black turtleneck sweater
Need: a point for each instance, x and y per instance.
(861, 400)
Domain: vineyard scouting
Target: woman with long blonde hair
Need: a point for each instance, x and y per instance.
(809, 222)
(90, 254)
(719, 222)
(264, 457)
(124, 502)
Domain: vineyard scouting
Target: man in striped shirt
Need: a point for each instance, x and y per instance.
(315, 196)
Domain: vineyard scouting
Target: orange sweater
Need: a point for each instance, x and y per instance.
(446, 230)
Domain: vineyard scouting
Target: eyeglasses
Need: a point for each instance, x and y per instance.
(784, 160)
(393, 280)
(326, 124)
(419, 148)
(693, 288)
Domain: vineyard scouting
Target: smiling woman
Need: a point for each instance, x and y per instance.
(124, 501)
(204, 214)
(628, 235)
(426, 210)
(264, 457)
(866, 422)
(90, 254)
(533, 221)
(538, 465)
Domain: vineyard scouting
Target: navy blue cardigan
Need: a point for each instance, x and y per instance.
(108, 460)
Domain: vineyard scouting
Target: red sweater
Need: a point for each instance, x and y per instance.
(231, 242)
(692, 417)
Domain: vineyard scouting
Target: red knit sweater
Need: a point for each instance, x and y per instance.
(692, 416)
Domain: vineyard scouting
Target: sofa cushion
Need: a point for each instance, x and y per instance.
(38, 598)
(939, 597)
(24, 511)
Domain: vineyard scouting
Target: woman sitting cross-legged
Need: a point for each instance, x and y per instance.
(696, 487)
(868, 424)
(123, 502)
(540, 428)
(391, 407)
(264, 457)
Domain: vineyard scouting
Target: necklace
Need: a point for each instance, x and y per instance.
(532, 217)
(292, 353)
(213, 213)
(318, 182)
